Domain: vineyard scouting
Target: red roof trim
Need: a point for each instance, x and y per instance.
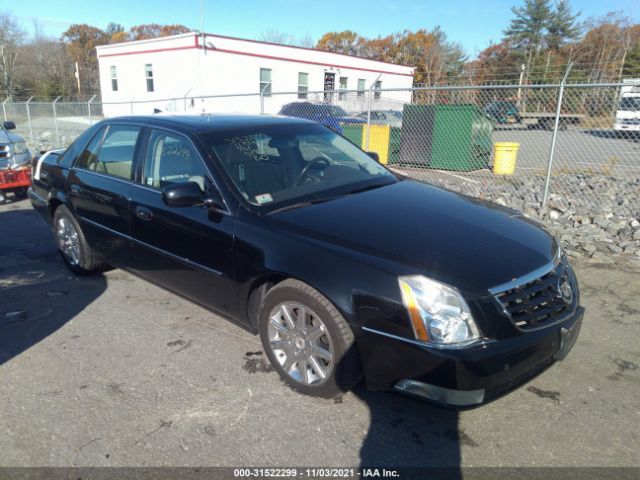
(298, 48)
(259, 55)
(157, 50)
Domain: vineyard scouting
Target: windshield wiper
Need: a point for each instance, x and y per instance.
(316, 200)
(368, 187)
(304, 203)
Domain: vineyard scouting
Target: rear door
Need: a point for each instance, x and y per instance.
(188, 250)
(100, 184)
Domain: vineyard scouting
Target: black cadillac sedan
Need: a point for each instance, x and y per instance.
(345, 269)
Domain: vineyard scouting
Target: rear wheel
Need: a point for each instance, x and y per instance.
(74, 249)
(307, 340)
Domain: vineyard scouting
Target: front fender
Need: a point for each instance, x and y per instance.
(364, 294)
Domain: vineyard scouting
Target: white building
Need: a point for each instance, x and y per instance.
(175, 73)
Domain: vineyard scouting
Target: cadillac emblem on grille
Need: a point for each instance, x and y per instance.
(564, 289)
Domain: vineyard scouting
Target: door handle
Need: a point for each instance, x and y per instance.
(143, 213)
(76, 189)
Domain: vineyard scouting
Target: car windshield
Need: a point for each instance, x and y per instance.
(336, 111)
(630, 104)
(277, 165)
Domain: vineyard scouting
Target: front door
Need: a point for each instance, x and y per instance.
(188, 250)
(329, 86)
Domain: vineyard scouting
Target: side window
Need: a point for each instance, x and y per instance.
(68, 158)
(115, 156)
(171, 159)
(87, 158)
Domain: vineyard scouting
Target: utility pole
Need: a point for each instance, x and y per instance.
(204, 48)
(77, 75)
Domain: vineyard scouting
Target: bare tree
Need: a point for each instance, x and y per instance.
(11, 38)
(275, 36)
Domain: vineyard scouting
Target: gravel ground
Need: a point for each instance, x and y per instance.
(112, 371)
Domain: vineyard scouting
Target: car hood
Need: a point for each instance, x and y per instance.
(7, 137)
(413, 228)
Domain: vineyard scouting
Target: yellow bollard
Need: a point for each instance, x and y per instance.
(504, 160)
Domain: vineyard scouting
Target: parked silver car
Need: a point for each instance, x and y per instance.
(13, 149)
(384, 117)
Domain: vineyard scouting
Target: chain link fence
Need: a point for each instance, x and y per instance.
(570, 158)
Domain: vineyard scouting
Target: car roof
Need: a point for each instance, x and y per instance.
(209, 123)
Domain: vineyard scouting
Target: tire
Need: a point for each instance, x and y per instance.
(3, 197)
(83, 261)
(328, 332)
(21, 192)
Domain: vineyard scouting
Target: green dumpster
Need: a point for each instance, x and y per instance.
(445, 137)
(353, 133)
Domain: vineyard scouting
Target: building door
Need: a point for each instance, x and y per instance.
(329, 86)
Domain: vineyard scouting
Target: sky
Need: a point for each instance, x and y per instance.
(473, 24)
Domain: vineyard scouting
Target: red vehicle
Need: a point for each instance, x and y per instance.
(15, 163)
(16, 180)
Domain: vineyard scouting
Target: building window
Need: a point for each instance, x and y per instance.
(376, 87)
(343, 86)
(265, 81)
(303, 84)
(114, 79)
(148, 73)
(361, 87)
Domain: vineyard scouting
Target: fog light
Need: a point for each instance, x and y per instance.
(448, 396)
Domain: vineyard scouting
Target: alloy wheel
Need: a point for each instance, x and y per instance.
(301, 343)
(68, 241)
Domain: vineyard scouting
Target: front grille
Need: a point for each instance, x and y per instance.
(541, 302)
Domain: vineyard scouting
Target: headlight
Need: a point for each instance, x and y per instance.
(439, 315)
(19, 148)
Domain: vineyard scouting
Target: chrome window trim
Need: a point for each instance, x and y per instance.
(104, 175)
(178, 258)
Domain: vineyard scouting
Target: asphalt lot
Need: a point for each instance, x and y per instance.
(110, 370)
(577, 150)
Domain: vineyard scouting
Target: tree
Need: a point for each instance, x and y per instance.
(631, 66)
(606, 44)
(81, 41)
(11, 38)
(275, 36)
(46, 69)
(527, 30)
(347, 42)
(116, 33)
(562, 26)
(434, 56)
(154, 30)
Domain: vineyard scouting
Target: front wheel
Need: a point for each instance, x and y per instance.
(307, 340)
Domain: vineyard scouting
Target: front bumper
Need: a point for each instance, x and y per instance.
(455, 377)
